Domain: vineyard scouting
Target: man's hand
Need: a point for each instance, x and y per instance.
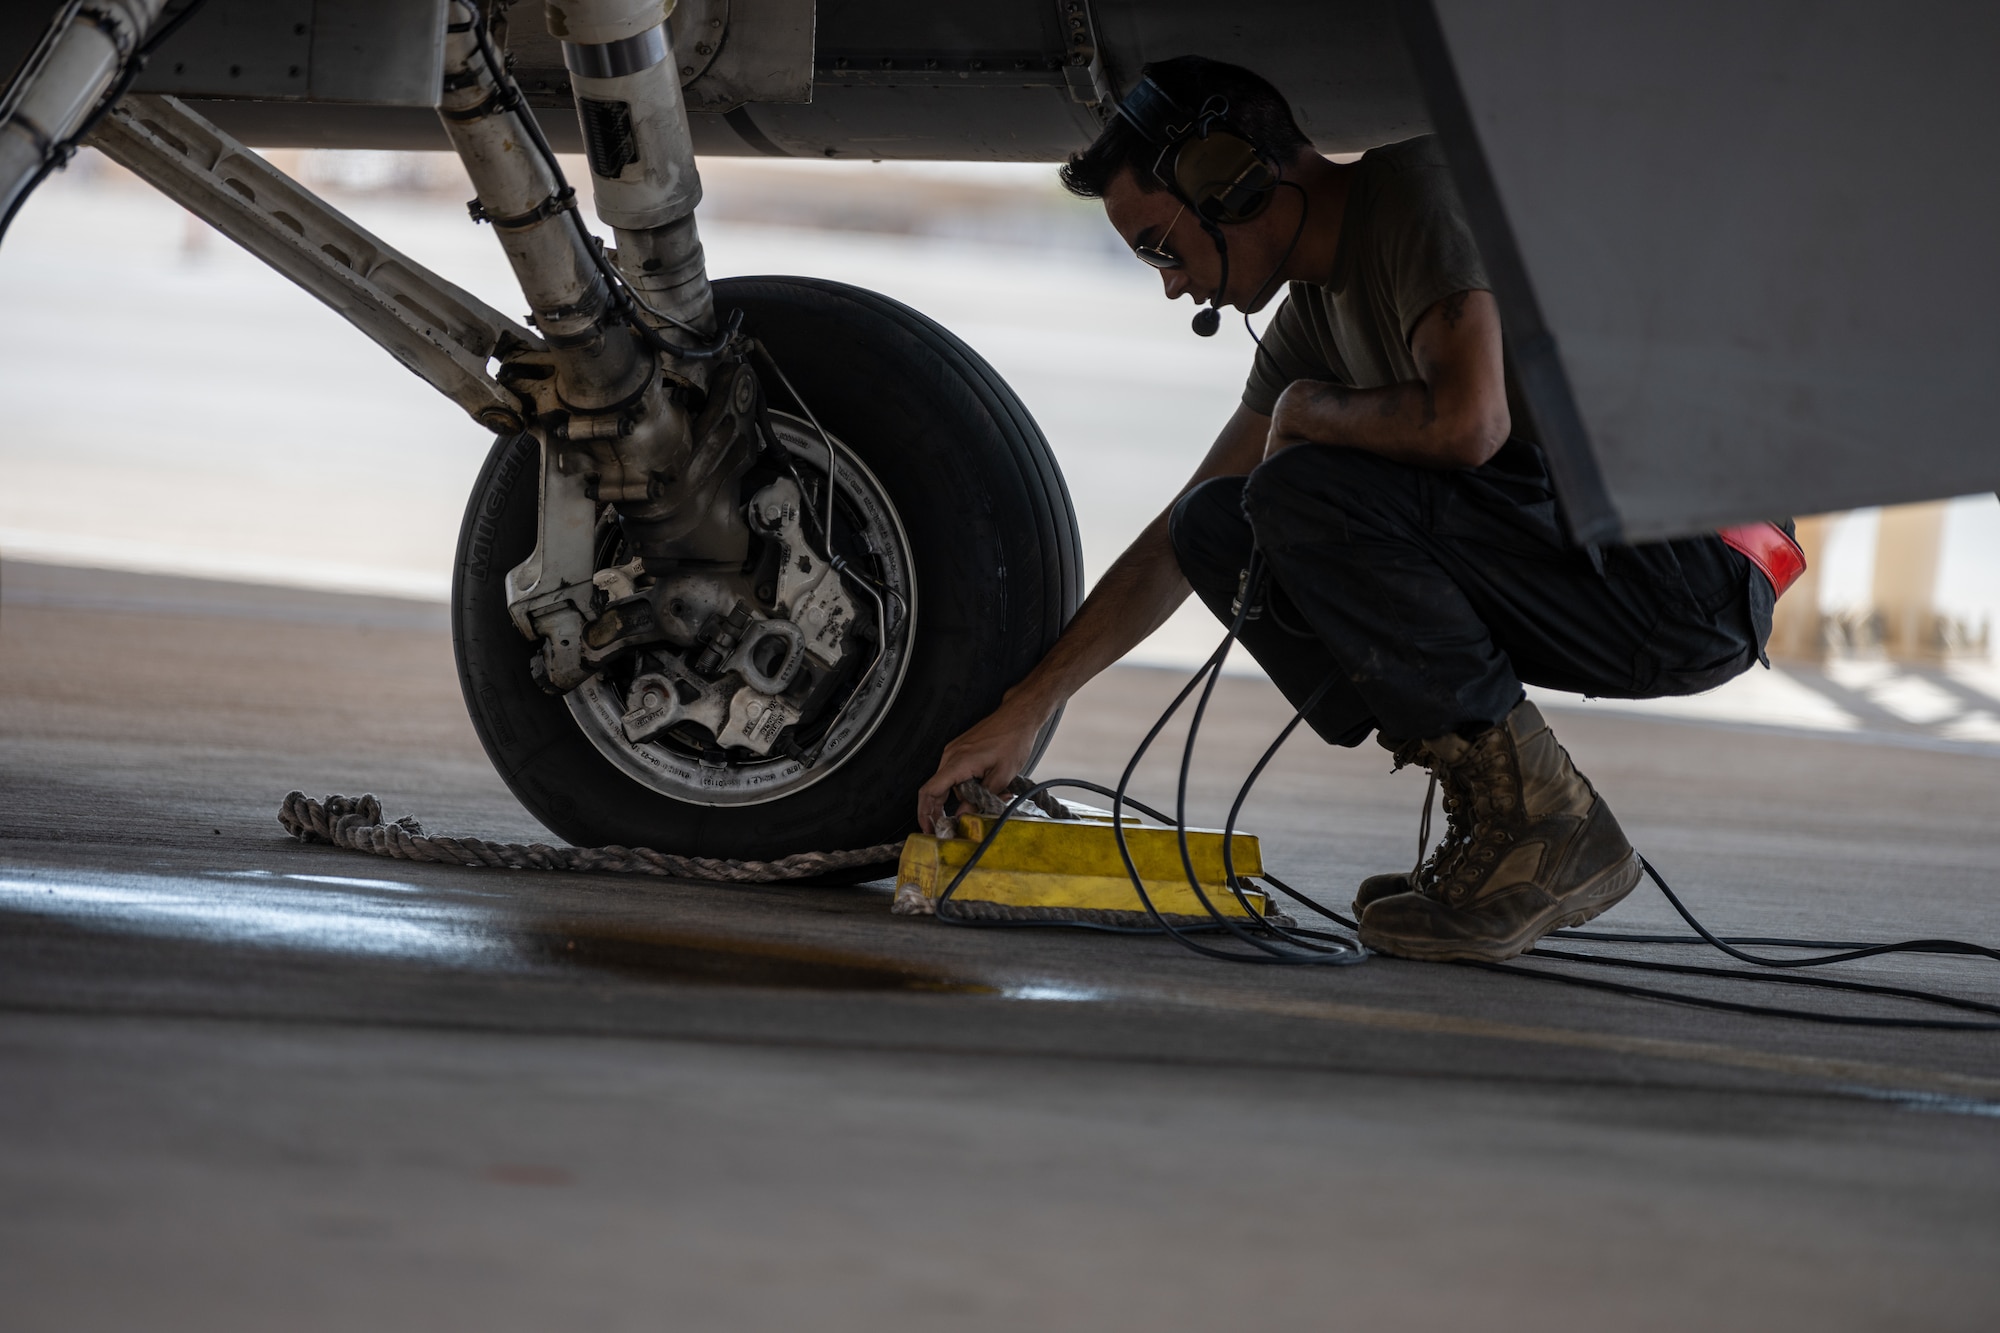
(994, 752)
(1134, 598)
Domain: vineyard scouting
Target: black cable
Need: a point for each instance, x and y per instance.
(1848, 956)
(1207, 674)
(1304, 901)
(1211, 675)
(763, 354)
(1349, 951)
(1738, 1007)
(59, 154)
(1766, 978)
(1265, 955)
(1022, 801)
(1305, 212)
(1339, 950)
(1187, 763)
(1207, 321)
(1851, 951)
(1334, 950)
(1622, 937)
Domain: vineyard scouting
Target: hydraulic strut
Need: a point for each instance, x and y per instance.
(85, 59)
(632, 351)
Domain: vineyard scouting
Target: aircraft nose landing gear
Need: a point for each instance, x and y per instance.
(768, 710)
(684, 617)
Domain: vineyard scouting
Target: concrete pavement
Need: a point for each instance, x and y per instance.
(247, 1083)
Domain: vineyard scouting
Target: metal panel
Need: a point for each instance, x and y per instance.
(729, 51)
(1342, 65)
(997, 80)
(765, 56)
(919, 79)
(237, 48)
(380, 52)
(1760, 235)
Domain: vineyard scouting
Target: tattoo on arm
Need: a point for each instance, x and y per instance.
(1335, 393)
(1453, 308)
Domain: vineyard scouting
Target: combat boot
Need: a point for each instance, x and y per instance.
(1426, 873)
(1377, 887)
(1539, 850)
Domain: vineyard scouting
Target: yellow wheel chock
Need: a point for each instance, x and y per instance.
(1069, 870)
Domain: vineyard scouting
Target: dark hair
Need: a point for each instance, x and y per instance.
(1257, 111)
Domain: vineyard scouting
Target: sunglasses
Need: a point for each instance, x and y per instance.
(1158, 255)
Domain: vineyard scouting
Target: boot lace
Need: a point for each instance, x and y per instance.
(1426, 875)
(1489, 805)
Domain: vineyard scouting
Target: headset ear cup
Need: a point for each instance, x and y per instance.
(1223, 177)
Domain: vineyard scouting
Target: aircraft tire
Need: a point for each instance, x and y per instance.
(993, 548)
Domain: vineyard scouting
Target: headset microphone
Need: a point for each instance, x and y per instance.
(1206, 322)
(1208, 165)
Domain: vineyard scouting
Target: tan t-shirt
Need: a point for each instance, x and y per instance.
(1404, 246)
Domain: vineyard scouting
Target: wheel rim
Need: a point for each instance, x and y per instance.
(673, 770)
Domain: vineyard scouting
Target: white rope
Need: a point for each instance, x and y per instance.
(356, 823)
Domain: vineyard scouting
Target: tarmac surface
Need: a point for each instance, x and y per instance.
(250, 1083)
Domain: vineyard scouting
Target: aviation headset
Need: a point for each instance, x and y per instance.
(1206, 163)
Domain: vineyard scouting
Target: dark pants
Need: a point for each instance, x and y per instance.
(1433, 595)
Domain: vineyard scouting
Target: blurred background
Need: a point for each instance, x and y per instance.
(174, 407)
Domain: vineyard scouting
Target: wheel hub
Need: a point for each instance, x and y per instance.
(761, 679)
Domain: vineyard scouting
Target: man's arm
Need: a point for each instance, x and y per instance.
(1454, 416)
(1134, 598)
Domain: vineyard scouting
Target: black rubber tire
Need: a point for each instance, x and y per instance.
(992, 537)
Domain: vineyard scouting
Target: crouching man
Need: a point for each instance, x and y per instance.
(1415, 554)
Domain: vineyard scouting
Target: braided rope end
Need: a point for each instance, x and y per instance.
(303, 817)
(911, 901)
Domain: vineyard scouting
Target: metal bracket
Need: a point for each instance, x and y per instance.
(549, 594)
(439, 331)
(1089, 80)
